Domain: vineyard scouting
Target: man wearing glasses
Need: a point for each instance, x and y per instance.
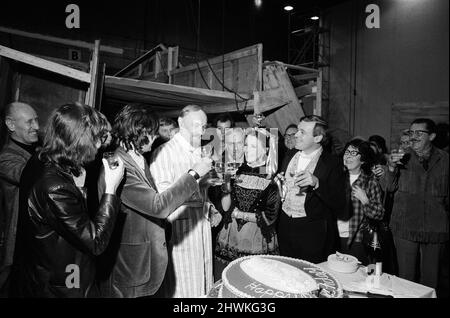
(419, 219)
(289, 143)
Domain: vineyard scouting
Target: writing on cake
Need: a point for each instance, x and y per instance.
(258, 288)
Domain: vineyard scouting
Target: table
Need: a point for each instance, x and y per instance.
(389, 284)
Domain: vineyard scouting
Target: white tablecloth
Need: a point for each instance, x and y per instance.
(389, 284)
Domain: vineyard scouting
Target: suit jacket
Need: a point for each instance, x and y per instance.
(136, 260)
(12, 161)
(329, 201)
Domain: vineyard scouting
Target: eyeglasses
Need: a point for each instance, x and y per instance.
(289, 135)
(417, 133)
(352, 153)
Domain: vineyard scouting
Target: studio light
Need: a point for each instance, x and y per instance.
(288, 8)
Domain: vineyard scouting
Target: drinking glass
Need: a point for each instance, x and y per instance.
(206, 151)
(232, 168)
(112, 158)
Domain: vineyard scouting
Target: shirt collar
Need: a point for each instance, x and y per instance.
(183, 142)
(311, 155)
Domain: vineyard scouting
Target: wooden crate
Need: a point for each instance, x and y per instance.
(239, 71)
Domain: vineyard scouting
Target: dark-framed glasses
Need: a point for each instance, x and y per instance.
(352, 153)
(289, 135)
(417, 133)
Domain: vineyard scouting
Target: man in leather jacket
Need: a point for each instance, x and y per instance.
(61, 239)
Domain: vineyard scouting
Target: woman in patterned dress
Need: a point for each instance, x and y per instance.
(249, 207)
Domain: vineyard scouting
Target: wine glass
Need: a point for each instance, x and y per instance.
(219, 169)
(232, 168)
(206, 151)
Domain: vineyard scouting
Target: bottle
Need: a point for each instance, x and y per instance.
(374, 254)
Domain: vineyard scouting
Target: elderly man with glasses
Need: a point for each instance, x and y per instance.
(419, 218)
(289, 145)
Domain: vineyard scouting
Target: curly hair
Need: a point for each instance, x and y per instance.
(366, 152)
(132, 124)
(71, 136)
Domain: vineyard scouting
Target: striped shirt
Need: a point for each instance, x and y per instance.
(190, 247)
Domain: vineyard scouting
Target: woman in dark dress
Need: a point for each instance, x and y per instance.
(249, 207)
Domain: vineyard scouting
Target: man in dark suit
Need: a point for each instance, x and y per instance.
(315, 196)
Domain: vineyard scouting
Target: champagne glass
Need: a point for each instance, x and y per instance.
(219, 169)
(206, 151)
(232, 168)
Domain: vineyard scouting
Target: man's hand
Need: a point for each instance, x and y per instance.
(203, 166)
(215, 216)
(395, 158)
(360, 194)
(305, 179)
(378, 171)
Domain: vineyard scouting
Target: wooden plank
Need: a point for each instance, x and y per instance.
(291, 66)
(318, 101)
(92, 91)
(176, 90)
(67, 42)
(304, 90)
(266, 101)
(305, 77)
(127, 69)
(45, 64)
(235, 55)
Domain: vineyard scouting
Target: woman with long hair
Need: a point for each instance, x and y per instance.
(61, 238)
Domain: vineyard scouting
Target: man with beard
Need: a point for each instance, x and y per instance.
(419, 220)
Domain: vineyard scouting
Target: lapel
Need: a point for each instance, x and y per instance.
(319, 172)
(128, 161)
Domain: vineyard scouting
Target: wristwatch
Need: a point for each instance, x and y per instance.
(194, 174)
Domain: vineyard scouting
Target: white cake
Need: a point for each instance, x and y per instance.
(343, 263)
(270, 276)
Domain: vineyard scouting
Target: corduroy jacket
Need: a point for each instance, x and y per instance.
(420, 210)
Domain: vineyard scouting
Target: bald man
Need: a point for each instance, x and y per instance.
(189, 272)
(22, 127)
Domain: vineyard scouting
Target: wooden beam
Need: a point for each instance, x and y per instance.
(45, 64)
(92, 91)
(112, 81)
(267, 101)
(318, 101)
(304, 90)
(251, 50)
(54, 39)
(304, 77)
(291, 66)
(139, 60)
